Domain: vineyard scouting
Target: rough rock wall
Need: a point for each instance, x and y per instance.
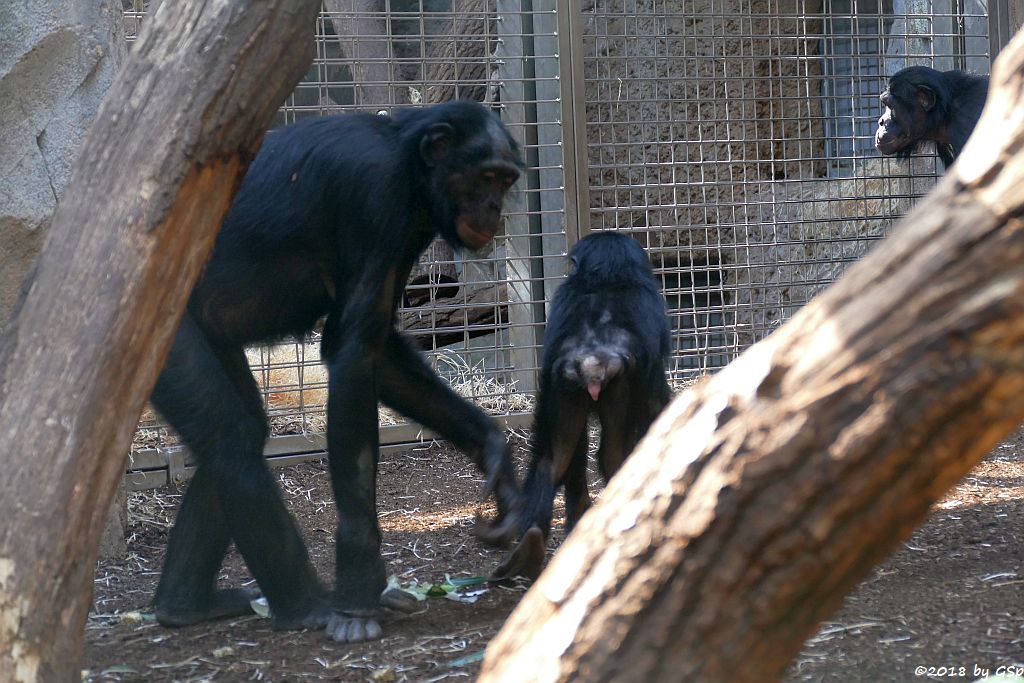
(57, 58)
(706, 139)
(808, 233)
(690, 106)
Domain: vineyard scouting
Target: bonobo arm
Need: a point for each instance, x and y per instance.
(408, 385)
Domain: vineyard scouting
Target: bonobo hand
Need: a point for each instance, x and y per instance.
(357, 626)
(501, 480)
(526, 559)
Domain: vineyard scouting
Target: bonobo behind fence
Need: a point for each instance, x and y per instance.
(924, 104)
(606, 346)
(329, 221)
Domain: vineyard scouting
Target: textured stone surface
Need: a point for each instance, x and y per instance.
(57, 58)
(690, 106)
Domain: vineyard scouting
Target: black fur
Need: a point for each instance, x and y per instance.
(329, 221)
(924, 104)
(606, 348)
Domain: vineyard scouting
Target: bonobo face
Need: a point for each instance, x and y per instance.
(890, 137)
(904, 120)
(474, 164)
(479, 197)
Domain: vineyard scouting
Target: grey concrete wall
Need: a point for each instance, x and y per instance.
(689, 105)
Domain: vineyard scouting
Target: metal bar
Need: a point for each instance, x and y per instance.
(154, 467)
(514, 55)
(735, 143)
(1004, 19)
(574, 121)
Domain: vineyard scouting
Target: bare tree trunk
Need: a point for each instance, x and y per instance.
(457, 67)
(150, 186)
(365, 39)
(764, 494)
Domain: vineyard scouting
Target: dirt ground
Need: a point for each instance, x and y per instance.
(947, 606)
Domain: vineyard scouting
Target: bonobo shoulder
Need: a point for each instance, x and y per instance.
(476, 132)
(464, 114)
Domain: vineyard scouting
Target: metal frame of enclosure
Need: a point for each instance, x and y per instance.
(731, 138)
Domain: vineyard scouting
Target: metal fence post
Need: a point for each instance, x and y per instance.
(574, 120)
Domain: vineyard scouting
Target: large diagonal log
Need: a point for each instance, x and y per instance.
(764, 494)
(151, 185)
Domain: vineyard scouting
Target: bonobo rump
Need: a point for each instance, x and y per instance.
(606, 347)
(329, 221)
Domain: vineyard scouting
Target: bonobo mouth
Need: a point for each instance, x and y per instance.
(472, 235)
(890, 145)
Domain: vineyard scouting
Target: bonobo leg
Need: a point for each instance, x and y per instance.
(659, 395)
(210, 398)
(619, 427)
(409, 385)
(352, 443)
(577, 496)
(187, 594)
(353, 449)
(560, 434)
(559, 456)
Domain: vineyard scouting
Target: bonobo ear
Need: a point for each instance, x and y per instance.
(435, 143)
(925, 97)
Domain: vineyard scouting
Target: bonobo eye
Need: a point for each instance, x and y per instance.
(503, 178)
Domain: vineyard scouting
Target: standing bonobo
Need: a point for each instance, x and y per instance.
(924, 104)
(329, 221)
(605, 350)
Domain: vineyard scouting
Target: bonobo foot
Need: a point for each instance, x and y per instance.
(316, 616)
(223, 604)
(358, 625)
(527, 559)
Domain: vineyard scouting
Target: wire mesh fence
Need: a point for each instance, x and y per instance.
(478, 316)
(732, 138)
